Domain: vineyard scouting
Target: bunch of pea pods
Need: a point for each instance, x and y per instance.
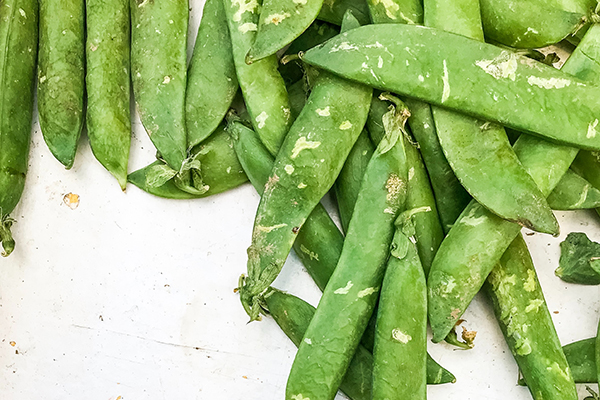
(437, 125)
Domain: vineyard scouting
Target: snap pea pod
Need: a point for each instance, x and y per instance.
(263, 87)
(293, 315)
(477, 80)
(351, 294)
(306, 167)
(478, 152)
(478, 239)
(531, 24)
(396, 11)
(401, 330)
(574, 193)
(527, 326)
(333, 11)
(159, 71)
(587, 165)
(211, 81)
(61, 82)
(108, 84)
(18, 54)
(219, 168)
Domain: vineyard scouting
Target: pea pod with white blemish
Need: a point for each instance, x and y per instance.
(480, 79)
(574, 193)
(333, 11)
(18, 54)
(527, 326)
(108, 84)
(61, 84)
(350, 296)
(262, 86)
(211, 81)
(396, 11)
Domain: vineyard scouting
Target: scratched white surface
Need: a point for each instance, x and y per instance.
(131, 295)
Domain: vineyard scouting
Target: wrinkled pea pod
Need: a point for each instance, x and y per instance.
(108, 84)
(480, 79)
(18, 54)
(578, 261)
(333, 11)
(211, 81)
(574, 193)
(306, 167)
(61, 83)
(527, 326)
(350, 296)
(479, 152)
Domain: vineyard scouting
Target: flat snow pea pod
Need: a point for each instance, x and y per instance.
(263, 87)
(400, 353)
(61, 73)
(480, 79)
(333, 11)
(574, 193)
(211, 81)
(462, 18)
(450, 196)
(527, 326)
(350, 296)
(159, 70)
(219, 168)
(404, 12)
(108, 84)
(306, 167)
(18, 54)
(347, 185)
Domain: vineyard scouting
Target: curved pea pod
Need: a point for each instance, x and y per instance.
(333, 11)
(574, 193)
(61, 73)
(579, 260)
(581, 357)
(400, 353)
(211, 79)
(219, 169)
(396, 11)
(262, 86)
(108, 84)
(159, 70)
(350, 296)
(18, 54)
(502, 87)
(527, 326)
(531, 24)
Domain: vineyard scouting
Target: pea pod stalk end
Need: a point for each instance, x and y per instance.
(6, 239)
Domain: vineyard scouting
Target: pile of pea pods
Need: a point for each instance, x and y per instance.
(437, 125)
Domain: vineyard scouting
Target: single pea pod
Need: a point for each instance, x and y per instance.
(587, 165)
(400, 353)
(217, 164)
(18, 54)
(61, 83)
(478, 239)
(527, 326)
(159, 73)
(333, 11)
(574, 193)
(297, 95)
(396, 11)
(108, 84)
(579, 260)
(306, 167)
(350, 296)
(502, 86)
(211, 79)
(262, 86)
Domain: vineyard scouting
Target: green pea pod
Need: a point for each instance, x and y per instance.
(578, 261)
(306, 167)
(531, 24)
(61, 73)
(506, 88)
(108, 93)
(280, 22)
(297, 95)
(158, 63)
(263, 87)
(333, 11)
(527, 326)
(574, 193)
(450, 196)
(218, 166)
(347, 185)
(461, 18)
(18, 54)
(211, 82)
(401, 331)
(396, 11)
(350, 296)
(597, 353)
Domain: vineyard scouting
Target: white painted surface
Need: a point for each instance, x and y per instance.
(131, 295)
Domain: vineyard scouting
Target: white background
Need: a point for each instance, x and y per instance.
(131, 295)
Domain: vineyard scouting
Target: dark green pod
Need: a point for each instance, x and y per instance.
(579, 260)
(333, 11)
(574, 193)
(61, 74)
(18, 54)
